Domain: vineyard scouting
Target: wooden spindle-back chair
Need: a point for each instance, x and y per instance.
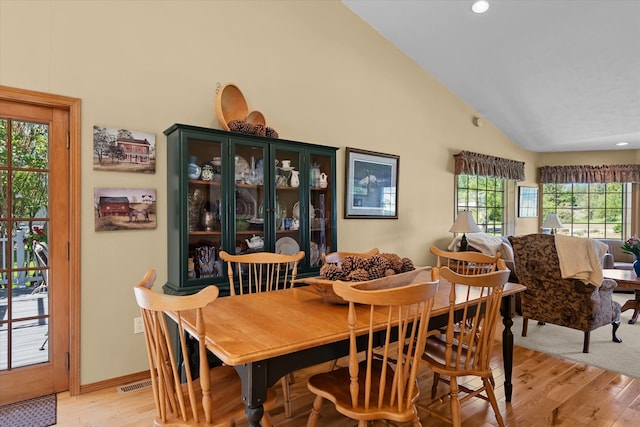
(466, 348)
(214, 397)
(383, 385)
(263, 272)
(467, 262)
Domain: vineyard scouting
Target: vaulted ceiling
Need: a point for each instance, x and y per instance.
(553, 75)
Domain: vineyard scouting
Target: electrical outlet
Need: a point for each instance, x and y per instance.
(138, 326)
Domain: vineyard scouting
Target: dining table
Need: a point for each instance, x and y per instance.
(268, 335)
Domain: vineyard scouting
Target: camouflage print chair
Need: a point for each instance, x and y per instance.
(565, 302)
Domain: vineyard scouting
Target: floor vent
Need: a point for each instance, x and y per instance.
(138, 385)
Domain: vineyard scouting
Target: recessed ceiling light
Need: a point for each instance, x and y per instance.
(481, 6)
(620, 144)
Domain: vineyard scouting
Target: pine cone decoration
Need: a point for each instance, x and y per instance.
(358, 275)
(348, 265)
(390, 272)
(271, 132)
(361, 263)
(234, 125)
(259, 130)
(246, 128)
(407, 265)
(394, 260)
(331, 272)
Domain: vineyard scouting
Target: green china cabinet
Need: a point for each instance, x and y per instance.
(243, 193)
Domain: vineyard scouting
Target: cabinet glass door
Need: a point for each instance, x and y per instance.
(321, 207)
(251, 210)
(204, 214)
(287, 203)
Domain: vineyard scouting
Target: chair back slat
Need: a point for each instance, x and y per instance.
(260, 271)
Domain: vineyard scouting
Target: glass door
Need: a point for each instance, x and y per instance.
(34, 223)
(252, 212)
(289, 201)
(321, 212)
(204, 209)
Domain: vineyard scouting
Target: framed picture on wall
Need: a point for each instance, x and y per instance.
(125, 209)
(527, 202)
(371, 184)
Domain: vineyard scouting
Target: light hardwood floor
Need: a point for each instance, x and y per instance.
(547, 392)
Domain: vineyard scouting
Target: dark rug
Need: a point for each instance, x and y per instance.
(37, 412)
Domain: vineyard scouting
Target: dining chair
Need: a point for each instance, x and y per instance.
(336, 257)
(382, 386)
(260, 271)
(41, 254)
(216, 395)
(465, 347)
(467, 262)
(263, 272)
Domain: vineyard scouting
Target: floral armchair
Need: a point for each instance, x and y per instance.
(565, 302)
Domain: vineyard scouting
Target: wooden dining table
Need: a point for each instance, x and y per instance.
(267, 335)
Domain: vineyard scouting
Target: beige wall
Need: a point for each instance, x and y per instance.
(317, 72)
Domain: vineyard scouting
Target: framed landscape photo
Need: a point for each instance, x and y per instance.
(527, 202)
(371, 184)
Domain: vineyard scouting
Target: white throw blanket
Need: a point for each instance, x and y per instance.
(580, 258)
(485, 243)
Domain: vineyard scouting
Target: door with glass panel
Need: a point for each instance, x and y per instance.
(34, 224)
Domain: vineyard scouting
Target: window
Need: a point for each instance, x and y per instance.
(589, 210)
(485, 198)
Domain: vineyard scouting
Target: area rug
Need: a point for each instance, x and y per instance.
(37, 412)
(567, 343)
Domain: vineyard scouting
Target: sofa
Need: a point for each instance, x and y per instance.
(615, 258)
(565, 302)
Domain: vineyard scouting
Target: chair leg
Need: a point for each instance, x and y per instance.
(587, 338)
(315, 411)
(616, 338)
(525, 326)
(44, 342)
(488, 386)
(286, 396)
(434, 387)
(456, 418)
(266, 420)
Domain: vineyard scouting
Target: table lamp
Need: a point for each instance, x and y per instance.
(552, 221)
(464, 223)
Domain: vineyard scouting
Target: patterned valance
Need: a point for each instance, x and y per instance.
(468, 163)
(585, 174)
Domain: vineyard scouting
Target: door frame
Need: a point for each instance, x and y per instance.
(72, 106)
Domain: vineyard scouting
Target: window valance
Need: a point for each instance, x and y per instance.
(468, 163)
(585, 174)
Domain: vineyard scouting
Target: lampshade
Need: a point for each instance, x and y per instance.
(464, 223)
(552, 221)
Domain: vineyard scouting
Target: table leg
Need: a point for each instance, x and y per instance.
(508, 311)
(635, 305)
(254, 390)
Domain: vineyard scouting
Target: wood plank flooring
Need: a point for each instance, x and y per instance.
(547, 392)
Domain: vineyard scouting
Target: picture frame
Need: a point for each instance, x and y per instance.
(371, 184)
(125, 209)
(527, 202)
(123, 150)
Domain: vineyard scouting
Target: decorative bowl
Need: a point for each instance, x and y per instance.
(230, 105)
(324, 287)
